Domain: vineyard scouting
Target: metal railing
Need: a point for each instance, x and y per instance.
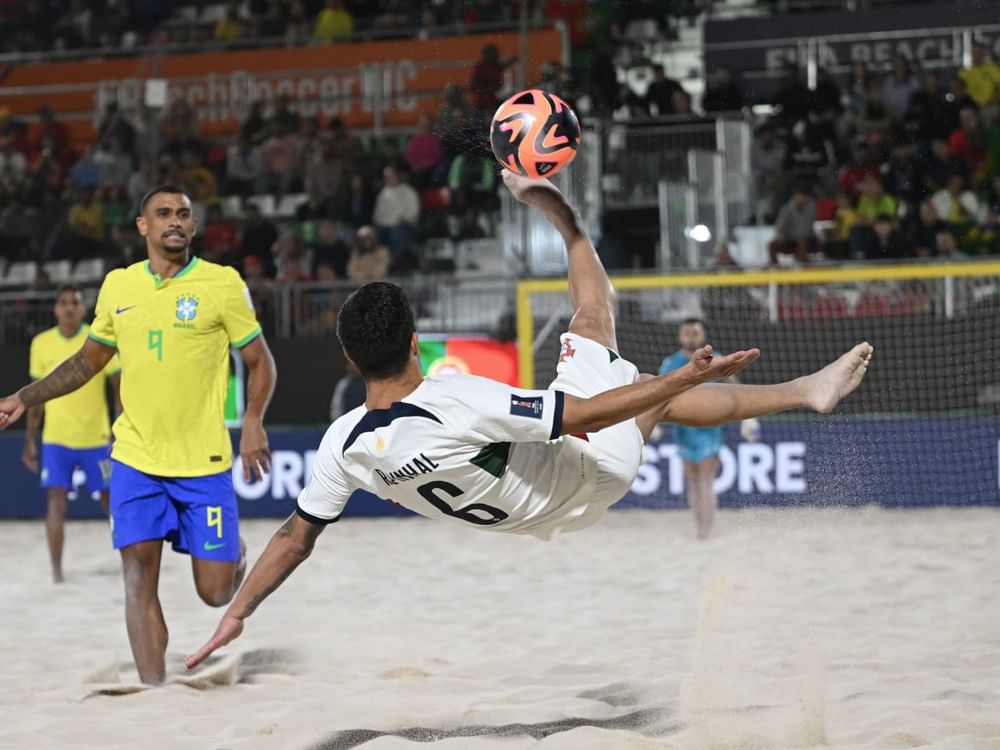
(443, 303)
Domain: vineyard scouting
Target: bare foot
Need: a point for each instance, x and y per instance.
(57, 577)
(826, 388)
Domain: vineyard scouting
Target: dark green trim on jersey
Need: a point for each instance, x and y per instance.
(99, 340)
(493, 459)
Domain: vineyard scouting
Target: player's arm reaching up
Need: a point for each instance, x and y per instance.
(66, 378)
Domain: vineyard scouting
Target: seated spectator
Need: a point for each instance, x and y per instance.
(855, 97)
(13, 164)
(397, 210)
(254, 127)
(874, 202)
(767, 163)
(924, 229)
(861, 163)
(682, 105)
(85, 172)
(114, 123)
(929, 115)
(243, 166)
(299, 26)
(220, 239)
(369, 259)
(723, 93)
(19, 225)
(423, 151)
(947, 247)
(325, 180)
(982, 81)
(939, 165)
(140, 182)
(968, 141)
(257, 241)
(659, 98)
(280, 160)
(50, 129)
(795, 232)
(956, 204)
(117, 210)
(898, 87)
(333, 22)
(486, 79)
(350, 149)
(228, 28)
(844, 218)
(180, 129)
(356, 207)
(472, 182)
(85, 224)
(45, 173)
(113, 164)
(873, 123)
(901, 174)
(283, 119)
(310, 139)
(884, 242)
(196, 179)
(809, 148)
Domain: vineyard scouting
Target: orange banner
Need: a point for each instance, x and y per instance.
(364, 83)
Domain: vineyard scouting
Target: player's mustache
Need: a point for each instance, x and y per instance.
(173, 233)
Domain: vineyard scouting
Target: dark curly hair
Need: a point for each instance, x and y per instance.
(375, 327)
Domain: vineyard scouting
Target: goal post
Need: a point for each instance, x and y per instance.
(923, 428)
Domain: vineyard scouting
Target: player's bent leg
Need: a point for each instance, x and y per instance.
(55, 524)
(712, 404)
(217, 582)
(147, 630)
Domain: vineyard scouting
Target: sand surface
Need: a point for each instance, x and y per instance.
(790, 629)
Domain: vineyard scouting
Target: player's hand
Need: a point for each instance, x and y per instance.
(707, 367)
(254, 450)
(29, 457)
(229, 630)
(526, 190)
(11, 409)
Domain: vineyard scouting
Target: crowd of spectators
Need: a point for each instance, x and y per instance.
(900, 165)
(895, 164)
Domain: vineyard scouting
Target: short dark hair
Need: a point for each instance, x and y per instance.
(883, 218)
(693, 322)
(67, 288)
(172, 189)
(375, 327)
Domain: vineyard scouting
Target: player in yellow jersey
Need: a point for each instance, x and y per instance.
(172, 320)
(77, 432)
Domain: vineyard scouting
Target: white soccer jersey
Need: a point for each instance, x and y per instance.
(462, 448)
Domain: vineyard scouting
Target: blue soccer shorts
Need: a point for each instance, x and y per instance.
(197, 515)
(695, 444)
(59, 463)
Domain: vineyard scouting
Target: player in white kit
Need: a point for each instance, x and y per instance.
(477, 452)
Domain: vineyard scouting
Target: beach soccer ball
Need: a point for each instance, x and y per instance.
(534, 134)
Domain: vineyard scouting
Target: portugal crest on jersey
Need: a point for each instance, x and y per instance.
(187, 308)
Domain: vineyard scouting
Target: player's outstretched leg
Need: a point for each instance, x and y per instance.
(590, 289)
(713, 404)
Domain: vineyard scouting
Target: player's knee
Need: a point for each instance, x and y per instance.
(214, 596)
(595, 322)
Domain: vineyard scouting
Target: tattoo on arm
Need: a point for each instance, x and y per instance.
(291, 561)
(66, 378)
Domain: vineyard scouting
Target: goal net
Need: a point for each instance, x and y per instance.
(923, 429)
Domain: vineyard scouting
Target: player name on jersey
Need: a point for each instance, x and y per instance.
(413, 468)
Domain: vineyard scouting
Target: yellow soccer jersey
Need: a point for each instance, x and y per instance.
(78, 419)
(173, 337)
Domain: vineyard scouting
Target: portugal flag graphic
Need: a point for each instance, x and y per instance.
(469, 356)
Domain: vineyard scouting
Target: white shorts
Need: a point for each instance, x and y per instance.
(585, 369)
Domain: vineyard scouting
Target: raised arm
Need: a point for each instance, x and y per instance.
(66, 378)
(617, 405)
(288, 548)
(260, 386)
